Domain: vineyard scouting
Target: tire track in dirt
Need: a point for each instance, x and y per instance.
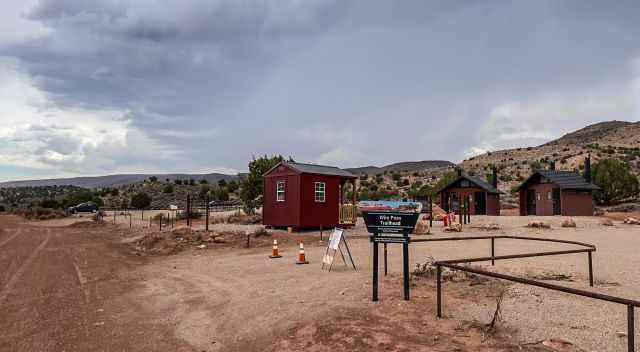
(8, 239)
(18, 274)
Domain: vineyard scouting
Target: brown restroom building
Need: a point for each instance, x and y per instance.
(552, 192)
(484, 197)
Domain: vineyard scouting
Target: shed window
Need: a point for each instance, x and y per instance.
(280, 191)
(537, 196)
(548, 195)
(320, 192)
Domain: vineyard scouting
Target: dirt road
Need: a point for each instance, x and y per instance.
(64, 289)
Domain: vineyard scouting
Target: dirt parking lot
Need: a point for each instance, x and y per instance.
(83, 287)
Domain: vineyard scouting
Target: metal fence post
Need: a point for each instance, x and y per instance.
(161, 218)
(631, 329)
(189, 210)
(207, 210)
(493, 250)
(590, 269)
(430, 211)
(438, 291)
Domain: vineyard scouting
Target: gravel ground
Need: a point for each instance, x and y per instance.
(240, 300)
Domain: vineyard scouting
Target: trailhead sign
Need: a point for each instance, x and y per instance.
(383, 217)
(386, 221)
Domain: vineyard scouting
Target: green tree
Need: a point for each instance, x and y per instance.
(141, 200)
(204, 190)
(192, 182)
(222, 183)
(153, 179)
(616, 181)
(83, 196)
(203, 182)
(251, 187)
(220, 194)
(232, 186)
(168, 188)
(177, 182)
(444, 181)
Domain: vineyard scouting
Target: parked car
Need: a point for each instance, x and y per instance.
(88, 207)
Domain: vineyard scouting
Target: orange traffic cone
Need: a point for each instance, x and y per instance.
(301, 258)
(274, 251)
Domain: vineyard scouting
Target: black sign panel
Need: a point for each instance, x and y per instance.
(384, 222)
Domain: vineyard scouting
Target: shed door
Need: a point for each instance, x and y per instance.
(480, 203)
(556, 202)
(531, 202)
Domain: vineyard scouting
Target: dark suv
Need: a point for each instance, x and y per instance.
(88, 207)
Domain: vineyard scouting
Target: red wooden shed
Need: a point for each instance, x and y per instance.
(300, 195)
(551, 192)
(484, 197)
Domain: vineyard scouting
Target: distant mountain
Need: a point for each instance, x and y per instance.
(404, 167)
(607, 133)
(116, 180)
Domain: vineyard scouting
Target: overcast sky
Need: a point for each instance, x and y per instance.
(113, 86)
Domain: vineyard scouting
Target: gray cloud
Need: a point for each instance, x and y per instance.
(207, 84)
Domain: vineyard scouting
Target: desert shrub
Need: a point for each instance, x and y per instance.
(141, 200)
(193, 215)
(535, 165)
(396, 176)
(50, 203)
(203, 182)
(168, 188)
(616, 181)
(244, 219)
(40, 213)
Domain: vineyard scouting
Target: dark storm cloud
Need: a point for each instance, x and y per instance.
(331, 81)
(181, 60)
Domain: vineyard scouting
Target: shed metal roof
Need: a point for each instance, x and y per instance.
(563, 179)
(315, 169)
(476, 181)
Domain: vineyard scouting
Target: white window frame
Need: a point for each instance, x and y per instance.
(280, 191)
(320, 189)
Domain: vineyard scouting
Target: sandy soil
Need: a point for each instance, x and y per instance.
(83, 288)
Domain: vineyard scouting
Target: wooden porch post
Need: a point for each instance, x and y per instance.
(354, 191)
